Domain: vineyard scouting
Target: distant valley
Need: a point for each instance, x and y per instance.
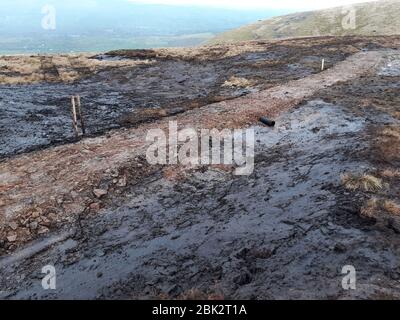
(102, 25)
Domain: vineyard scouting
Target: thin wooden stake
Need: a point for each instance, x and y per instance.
(74, 118)
(323, 65)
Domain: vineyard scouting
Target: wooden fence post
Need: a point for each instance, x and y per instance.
(74, 117)
(76, 111)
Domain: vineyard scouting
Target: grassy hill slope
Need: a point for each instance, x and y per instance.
(373, 18)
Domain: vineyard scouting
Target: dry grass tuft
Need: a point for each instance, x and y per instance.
(364, 182)
(396, 114)
(70, 67)
(392, 132)
(238, 82)
(375, 207)
(370, 208)
(388, 144)
(391, 207)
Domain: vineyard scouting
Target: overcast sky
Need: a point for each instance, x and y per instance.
(251, 4)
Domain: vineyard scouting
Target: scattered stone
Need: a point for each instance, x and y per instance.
(33, 225)
(43, 230)
(45, 222)
(31, 170)
(26, 232)
(95, 206)
(52, 216)
(13, 225)
(114, 173)
(12, 238)
(35, 214)
(122, 182)
(73, 208)
(99, 193)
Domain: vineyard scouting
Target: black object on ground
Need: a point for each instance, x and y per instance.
(268, 122)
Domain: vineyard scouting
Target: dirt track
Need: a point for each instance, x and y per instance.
(284, 232)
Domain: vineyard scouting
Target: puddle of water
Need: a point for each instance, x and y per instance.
(105, 57)
(391, 68)
(308, 123)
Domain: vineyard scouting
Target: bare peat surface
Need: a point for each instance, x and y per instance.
(128, 87)
(286, 231)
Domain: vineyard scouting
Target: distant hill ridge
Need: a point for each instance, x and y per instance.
(372, 18)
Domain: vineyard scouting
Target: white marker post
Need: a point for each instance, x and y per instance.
(323, 65)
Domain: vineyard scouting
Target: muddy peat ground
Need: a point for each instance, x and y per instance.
(286, 231)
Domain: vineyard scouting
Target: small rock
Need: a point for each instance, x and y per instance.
(45, 222)
(99, 274)
(52, 216)
(13, 225)
(43, 230)
(33, 225)
(100, 192)
(95, 206)
(114, 173)
(26, 232)
(73, 208)
(35, 214)
(12, 238)
(122, 182)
